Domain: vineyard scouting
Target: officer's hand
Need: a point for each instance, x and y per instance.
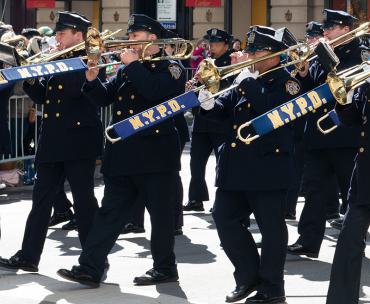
(92, 71)
(237, 57)
(206, 101)
(128, 56)
(245, 73)
(305, 68)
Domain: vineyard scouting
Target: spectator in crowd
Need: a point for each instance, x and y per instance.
(199, 53)
(237, 45)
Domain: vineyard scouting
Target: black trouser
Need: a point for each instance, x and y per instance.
(120, 194)
(202, 145)
(321, 166)
(331, 190)
(138, 209)
(80, 175)
(268, 207)
(345, 275)
(61, 202)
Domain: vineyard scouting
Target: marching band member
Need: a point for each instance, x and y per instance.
(145, 164)
(207, 136)
(345, 276)
(326, 155)
(254, 177)
(70, 140)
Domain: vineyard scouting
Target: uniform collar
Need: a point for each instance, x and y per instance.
(348, 47)
(223, 59)
(270, 77)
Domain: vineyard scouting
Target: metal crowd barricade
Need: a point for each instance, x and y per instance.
(19, 125)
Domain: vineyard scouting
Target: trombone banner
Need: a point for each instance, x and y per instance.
(289, 111)
(155, 115)
(42, 70)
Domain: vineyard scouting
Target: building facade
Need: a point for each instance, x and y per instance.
(234, 16)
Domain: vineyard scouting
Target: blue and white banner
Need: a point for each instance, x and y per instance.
(152, 116)
(43, 69)
(287, 112)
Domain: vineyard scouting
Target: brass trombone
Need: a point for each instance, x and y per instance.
(340, 84)
(211, 75)
(95, 48)
(38, 58)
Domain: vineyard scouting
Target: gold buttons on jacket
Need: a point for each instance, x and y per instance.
(362, 133)
(78, 123)
(248, 105)
(131, 111)
(59, 101)
(132, 97)
(50, 88)
(233, 145)
(120, 98)
(325, 110)
(60, 87)
(361, 149)
(157, 131)
(118, 113)
(235, 127)
(47, 101)
(46, 115)
(239, 109)
(57, 114)
(313, 111)
(277, 150)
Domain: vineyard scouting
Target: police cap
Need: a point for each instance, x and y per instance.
(217, 35)
(72, 20)
(314, 29)
(140, 22)
(332, 17)
(257, 41)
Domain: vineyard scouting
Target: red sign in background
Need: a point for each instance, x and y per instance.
(193, 3)
(40, 4)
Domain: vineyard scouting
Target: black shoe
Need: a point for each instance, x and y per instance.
(71, 225)
(178, 232)
(240, 292)
(263, 298)
(332, 216)
(337, 224)
(290, 216)
(298, 249)
(132, 228)
(16, 262)
(58, 218)
(153, 276)
(193, 206)
(76, 274)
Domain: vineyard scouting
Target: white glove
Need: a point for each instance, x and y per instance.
(206, 101)
(245, 73)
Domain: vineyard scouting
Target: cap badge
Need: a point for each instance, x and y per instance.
(214, 32)
(131, 21)
(251, 37)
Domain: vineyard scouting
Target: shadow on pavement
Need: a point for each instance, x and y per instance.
(75, 293)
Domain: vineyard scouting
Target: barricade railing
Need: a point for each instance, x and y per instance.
(24, 124)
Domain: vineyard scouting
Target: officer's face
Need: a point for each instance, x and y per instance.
(312, 39)
(141, 35)
(67, 38)
(263, 65)
(335, 31)
(218, 49)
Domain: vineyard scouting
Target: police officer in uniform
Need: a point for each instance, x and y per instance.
(145, 164)
(254, 176)
(207, 136)
(314, 31)
(345, 276)
(326, 155)
(70, 141)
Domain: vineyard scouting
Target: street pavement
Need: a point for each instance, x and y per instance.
(206, 275)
